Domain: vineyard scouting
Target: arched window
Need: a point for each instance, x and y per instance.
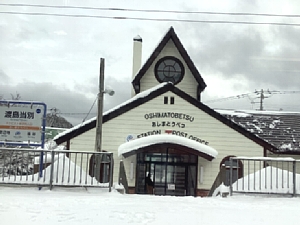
(237, 169)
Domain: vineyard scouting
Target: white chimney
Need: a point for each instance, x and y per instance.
(137, 57)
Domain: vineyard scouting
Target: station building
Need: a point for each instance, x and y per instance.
(164, 131)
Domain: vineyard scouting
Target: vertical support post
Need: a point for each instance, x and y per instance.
(51, 170)
(100, 107)
(294, 178)
(111, 171)
(98, 148)
(230, 177)
(43, 141)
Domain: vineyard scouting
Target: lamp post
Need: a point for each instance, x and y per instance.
(98, 142)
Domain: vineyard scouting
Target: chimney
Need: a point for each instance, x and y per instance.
(137, 57)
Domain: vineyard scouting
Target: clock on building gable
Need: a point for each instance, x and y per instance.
(169, 69)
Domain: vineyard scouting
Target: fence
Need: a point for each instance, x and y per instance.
(56, 168)
(264, 175)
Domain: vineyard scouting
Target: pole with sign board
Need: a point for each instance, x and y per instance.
(23, 123)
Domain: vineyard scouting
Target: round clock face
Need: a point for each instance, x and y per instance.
(169, 69)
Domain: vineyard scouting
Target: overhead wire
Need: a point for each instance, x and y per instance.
(90, 109)
(248, 95)
(148, 10)
(150, 19)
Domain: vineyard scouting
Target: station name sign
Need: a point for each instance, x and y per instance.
(172, 115)
(21, 121)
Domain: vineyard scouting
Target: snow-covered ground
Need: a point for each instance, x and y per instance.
(30, 206)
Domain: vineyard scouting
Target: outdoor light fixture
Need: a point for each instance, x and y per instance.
(109, 90)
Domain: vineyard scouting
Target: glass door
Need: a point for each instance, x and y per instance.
(171, 174)
(159, 179)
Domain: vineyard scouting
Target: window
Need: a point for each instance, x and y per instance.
(165, 100)
(169, 69)
(172, 100)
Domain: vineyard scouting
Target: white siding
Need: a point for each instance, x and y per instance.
(222, 138)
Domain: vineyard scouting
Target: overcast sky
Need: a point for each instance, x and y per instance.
(56, 59)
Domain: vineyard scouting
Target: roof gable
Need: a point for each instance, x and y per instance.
(148, 95)
(169, 35)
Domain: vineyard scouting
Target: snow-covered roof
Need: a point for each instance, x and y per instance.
(140, 95)
(279, 128)
(139, 143)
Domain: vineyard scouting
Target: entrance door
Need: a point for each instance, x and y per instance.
(169, 180)
(171, 175)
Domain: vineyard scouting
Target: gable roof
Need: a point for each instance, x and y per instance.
(169, 35)
(282, 129)
(148, 95)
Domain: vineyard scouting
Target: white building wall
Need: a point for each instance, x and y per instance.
(222, 138)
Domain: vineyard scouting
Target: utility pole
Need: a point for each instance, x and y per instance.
(100, 108)
(98, 141)
(262, 96)
(99, 171)
(261, 108)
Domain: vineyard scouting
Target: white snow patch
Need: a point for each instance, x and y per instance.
(286, 146)
(285, 159)
(156, 139)
(233, 113)
(77, 206)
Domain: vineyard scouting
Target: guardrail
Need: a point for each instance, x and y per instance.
(264, 175)
(56, 168)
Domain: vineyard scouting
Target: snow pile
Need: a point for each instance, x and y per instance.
(65, 172)
(222, 190)
(268, 180)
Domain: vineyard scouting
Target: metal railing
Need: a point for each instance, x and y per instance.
(264, 175)
(56, 168)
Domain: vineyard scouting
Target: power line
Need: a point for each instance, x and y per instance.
(247, 95)
(151, 10)
(150, 19)
(90, 109)
(261, 95)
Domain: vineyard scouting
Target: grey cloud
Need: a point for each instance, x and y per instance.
(72, 105)
(246, 51)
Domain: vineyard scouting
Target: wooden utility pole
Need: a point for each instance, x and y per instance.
(100, 108)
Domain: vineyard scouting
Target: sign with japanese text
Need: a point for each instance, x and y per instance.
(173, 123)
(21, 121)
